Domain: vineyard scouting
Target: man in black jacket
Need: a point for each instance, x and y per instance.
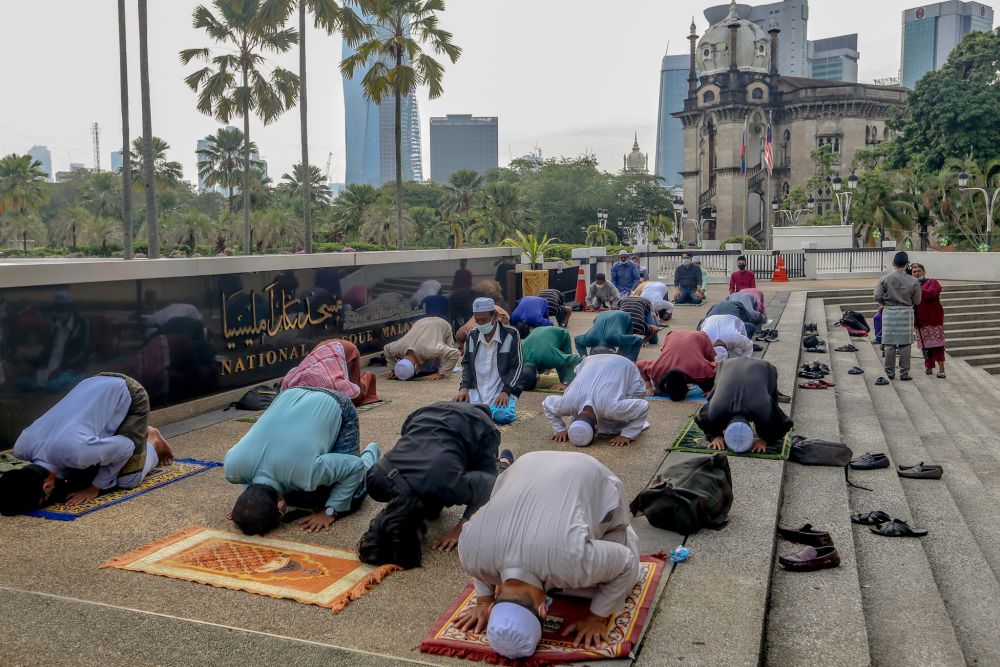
(745, 398)
(447, 455)
(491, 365)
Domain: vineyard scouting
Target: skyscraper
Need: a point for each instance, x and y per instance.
(670, 130)
(792, 17)
(116, 161)
(370, 134)
(834, 58)
(932, 31)
(42, 154)
(463, 141)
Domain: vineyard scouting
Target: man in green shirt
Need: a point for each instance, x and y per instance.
(548, 348)
(613, 329)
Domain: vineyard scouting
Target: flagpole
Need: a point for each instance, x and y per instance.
(746, 181)
(768, 231)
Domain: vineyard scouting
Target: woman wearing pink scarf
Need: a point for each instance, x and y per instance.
(334, 365)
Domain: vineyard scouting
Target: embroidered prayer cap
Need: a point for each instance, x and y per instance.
(513, 631)
(581, 433)
(696, 260)
(483, 305)
(738, 436)
(404, 369)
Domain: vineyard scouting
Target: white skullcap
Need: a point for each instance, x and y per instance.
(622, 252)
(483, 305)
(721, 353)
(404, 369)
(696, 260)
(581, 433)
(739, 436)
(513, 631)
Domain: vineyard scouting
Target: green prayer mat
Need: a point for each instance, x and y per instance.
(546, 383)
(252, 419)
(692, 439)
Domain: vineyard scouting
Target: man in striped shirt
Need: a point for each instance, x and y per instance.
(640, 311)
(557, 306)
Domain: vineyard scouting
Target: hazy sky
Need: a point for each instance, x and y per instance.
(566, 75)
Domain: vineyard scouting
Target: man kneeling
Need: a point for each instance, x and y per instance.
(95, 439)
(687, 357)
(556, 520)
(302, 452)
(545, 349)
(745, 397)
(606, 397)
(446, 456)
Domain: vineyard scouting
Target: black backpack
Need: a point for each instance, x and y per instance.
(689, 496)
(855, 323)
(814, 452)
(257, 398)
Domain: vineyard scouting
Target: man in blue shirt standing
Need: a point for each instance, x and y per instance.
(303, 452)
(625, 274)
(687, 279)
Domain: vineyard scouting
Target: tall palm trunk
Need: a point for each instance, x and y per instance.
(147, 137)
(126, 140)
(399, 160)
(304, 122)
(246, 172)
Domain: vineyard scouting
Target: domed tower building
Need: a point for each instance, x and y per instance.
(734, 92)
(636, 161)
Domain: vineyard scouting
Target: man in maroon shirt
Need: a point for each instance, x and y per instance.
(687, 357)
(742, 278)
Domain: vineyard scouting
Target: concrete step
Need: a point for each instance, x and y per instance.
(975, 382)
(968, 589)
(867, 292)
(971, 338)
(967, 320)
(973, 349)
(987, 360)
(817, 495)
(958, 298)
(906, 617)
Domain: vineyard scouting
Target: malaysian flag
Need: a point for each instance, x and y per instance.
(769, 150)
(743, 152)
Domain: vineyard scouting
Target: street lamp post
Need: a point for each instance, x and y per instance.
(699, 223)
(844, 197)
(679, 213)
(793, 216)
(991, 202)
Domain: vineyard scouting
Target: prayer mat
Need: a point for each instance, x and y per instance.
(521, 418)
(546, 384)
(306, 573)
(694, 395)
(626, 631)
(158, 477)
(364, 408)
(692, 439)
(692, 305)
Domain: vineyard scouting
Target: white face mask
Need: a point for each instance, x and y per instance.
(486, 329)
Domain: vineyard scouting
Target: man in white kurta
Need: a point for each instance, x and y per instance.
(555, 520)
(428, 346)
(607, 396)
(656, 294)
(729, 335)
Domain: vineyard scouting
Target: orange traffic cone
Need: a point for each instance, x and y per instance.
(581, 289)
(780, 272)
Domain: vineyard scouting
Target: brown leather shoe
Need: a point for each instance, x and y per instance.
(806, 535)
(811, 559)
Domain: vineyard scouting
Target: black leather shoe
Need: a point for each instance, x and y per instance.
(870, 461)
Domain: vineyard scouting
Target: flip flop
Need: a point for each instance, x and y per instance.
(875, 518)
(827, 384)
(856, 371)
(846, 348)
(898, 528)
(815, 384)
(942, 376)
(810, 375)
(881, 382)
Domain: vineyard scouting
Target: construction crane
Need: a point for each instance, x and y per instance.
(326, 172)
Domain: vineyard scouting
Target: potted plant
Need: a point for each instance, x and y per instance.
(536, 278)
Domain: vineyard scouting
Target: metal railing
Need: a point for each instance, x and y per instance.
(852, 260)
(762, 263)
(716, 261)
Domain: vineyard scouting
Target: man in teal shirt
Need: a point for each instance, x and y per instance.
(548, 348)
(613, 329)
(303, 452)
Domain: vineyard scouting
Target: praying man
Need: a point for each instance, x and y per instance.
(555, 520)
(611, 330)
(607, 396)
(428, 347)
(491, 366)
(95, 439)
(545, 349)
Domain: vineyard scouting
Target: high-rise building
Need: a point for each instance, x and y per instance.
(203, 144)
(932, 31)
(463, 141)
(116, 161)
(834, 58)
(669, 130)
(370, 134)
(42, 154)
(792, 17)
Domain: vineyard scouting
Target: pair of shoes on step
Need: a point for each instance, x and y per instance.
(883, 524)
(921, 471)
(819, 553)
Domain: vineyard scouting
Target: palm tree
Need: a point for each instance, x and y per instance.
(600, 236)
(220, 163)
(188, 228)
(349, 208)
(147, 136)
(69, 223)
(165, 172)
(21, 179)
(398, 64)
(501, 213)
(238, 84)
(463, 188)
(23, 226)
(382, 227)
(105, 231)
(258, 189)
(101, 195)
(319, 191)
(126, 156)
(329, 16)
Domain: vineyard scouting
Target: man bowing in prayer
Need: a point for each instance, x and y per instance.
(428, 346)
(95, 439)
(491, 366)
(545, 349)
(555, 520)
(687, 357)
(745, 398)
(611, 329)
(607, 396)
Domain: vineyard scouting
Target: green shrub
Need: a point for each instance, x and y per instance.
(748, 242)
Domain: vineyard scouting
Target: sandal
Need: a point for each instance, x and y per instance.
(857, 370)
(815, 384)
(898, 528)
(942, 376)
(875, 518)
(881, 382)
(827, 384)
(847, 348)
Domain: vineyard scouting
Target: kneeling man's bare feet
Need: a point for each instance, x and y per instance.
(163, 450)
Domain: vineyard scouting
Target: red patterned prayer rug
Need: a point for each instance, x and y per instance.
(626, 627)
